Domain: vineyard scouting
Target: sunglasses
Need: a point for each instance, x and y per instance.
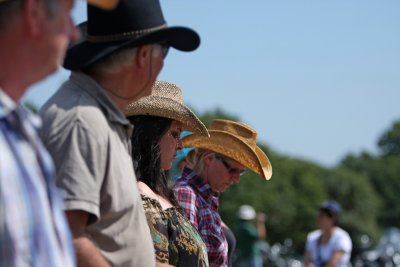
(165, 49)
(160, 48)
(231, 170)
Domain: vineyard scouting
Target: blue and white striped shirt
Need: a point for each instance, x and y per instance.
(33, 228)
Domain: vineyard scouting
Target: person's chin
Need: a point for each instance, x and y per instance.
(143, 93)
(167, 168)
(223, 189)
(148, 91)
(47, 71)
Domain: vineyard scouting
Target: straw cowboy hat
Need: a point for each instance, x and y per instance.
(131, 23)
(236, 141)
(104, 4)
(166, 101)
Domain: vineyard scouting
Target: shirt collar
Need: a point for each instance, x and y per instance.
(7, 105)
(202, 187)
(91, 87)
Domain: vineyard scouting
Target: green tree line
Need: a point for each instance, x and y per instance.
(367, 186)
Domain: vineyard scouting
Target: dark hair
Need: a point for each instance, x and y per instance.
(146, 156)
(330, 214)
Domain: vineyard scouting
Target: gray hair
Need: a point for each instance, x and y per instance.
(119, 59)
(9, 8)
(114, 62)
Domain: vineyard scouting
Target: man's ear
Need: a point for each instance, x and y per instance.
(143, 55)
(34, 14)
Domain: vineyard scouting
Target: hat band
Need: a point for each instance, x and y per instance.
(122, 36)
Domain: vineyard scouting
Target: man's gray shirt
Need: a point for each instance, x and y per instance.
(89, 140)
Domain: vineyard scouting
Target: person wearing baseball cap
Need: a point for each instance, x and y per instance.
(250, 233)
(330, 245)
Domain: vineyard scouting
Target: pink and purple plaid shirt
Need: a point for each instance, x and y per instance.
(201, 204)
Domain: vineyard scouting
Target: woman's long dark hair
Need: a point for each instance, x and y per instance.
(146, 155)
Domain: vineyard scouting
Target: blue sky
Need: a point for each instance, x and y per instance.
(316, 78)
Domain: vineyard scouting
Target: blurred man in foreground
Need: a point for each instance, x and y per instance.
(33, 230)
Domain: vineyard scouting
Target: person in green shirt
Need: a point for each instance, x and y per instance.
(248, 235)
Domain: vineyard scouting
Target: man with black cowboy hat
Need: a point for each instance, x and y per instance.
(33, 230)
(116, 62)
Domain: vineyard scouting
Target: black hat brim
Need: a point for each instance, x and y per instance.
(84, 53)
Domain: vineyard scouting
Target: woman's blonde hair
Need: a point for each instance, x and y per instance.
(195, 160)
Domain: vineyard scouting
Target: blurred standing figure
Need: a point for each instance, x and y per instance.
(116, 62)
(330, 245)
(248, 236)
(33, 229)
(218, 162)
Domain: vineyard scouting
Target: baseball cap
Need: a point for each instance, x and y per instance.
(332, 206)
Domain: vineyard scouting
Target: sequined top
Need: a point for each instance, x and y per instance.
(175, 240)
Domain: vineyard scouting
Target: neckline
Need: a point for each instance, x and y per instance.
(158, 204)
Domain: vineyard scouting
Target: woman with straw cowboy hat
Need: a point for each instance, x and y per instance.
(218, 162)
(158, 120)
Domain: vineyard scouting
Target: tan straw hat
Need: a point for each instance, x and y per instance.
(236, 141)
(104, 4)
(166, 101)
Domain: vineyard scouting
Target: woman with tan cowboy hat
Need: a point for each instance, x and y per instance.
(158, 120)
(218, 162)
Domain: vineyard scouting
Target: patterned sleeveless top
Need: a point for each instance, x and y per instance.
(175, 240)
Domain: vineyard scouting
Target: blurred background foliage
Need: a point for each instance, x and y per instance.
(367, 186)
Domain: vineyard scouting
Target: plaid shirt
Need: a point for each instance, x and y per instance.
(200, 204)
(33, 229)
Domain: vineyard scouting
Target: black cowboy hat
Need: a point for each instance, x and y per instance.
(131, 23)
